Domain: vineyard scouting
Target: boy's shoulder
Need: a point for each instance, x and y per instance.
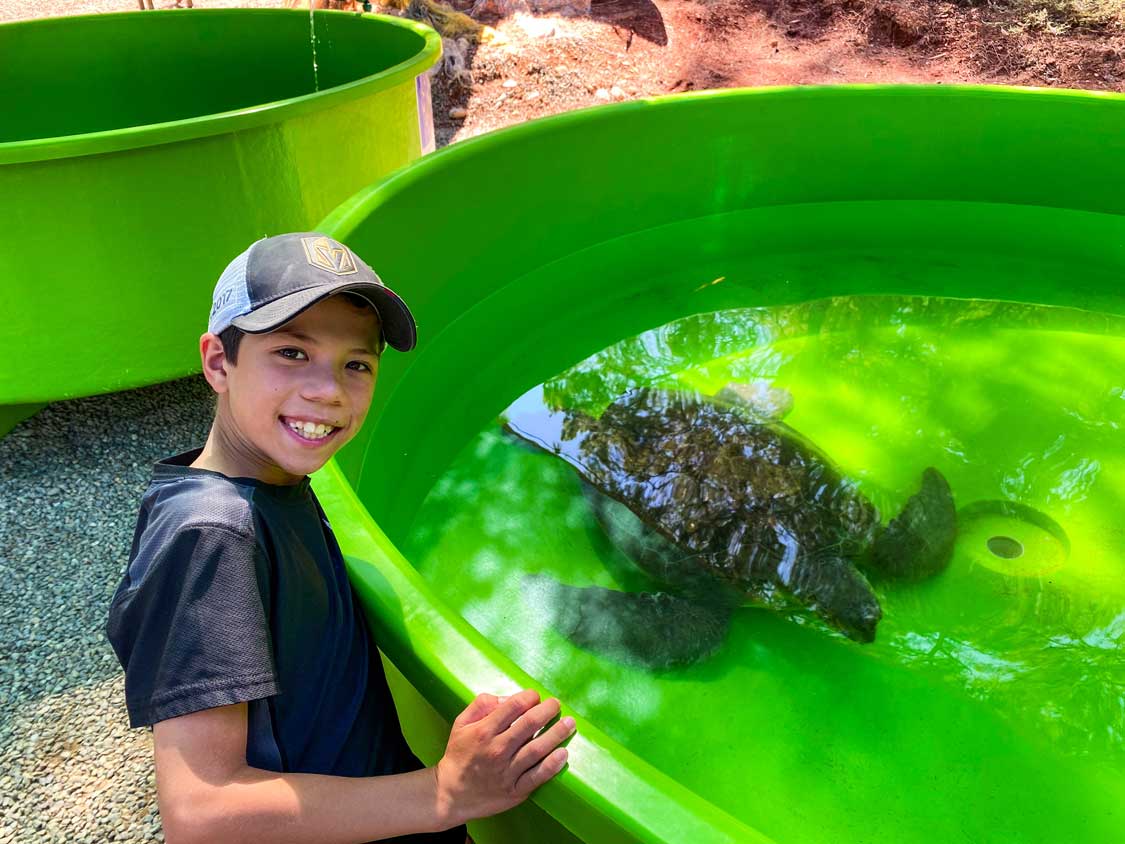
(199, 503)
(187, 513)
(181, 498)
(189, 619)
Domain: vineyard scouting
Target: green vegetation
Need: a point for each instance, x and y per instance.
(1058, 17)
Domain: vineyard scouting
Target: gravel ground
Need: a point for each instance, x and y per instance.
(71, 478)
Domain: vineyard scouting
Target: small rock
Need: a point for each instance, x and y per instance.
(510, 83)
(601, 94)
(458, 113)
(617, 93)
(532, 95)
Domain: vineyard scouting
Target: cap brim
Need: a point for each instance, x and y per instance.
(397, 322)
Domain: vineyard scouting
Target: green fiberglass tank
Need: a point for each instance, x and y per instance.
(140, 152)
(901, 278)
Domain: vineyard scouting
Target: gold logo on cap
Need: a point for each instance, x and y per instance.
(329, 255)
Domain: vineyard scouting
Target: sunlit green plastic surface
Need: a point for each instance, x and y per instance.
(592, 227)
(140, 152)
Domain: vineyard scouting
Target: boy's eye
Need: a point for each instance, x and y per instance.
(290, 353)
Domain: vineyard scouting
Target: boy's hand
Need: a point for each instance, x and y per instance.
(494, 760)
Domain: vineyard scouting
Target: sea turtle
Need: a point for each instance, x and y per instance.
(719, 504)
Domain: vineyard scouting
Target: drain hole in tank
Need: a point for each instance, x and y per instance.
(1005, 546)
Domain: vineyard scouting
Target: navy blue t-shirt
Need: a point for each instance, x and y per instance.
(236, 592)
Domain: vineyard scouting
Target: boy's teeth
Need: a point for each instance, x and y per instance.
(314, 430)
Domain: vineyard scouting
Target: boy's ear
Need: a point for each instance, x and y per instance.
(214, 362)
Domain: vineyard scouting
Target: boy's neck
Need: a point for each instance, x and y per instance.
(224, 454)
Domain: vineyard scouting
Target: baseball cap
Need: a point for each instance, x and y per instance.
(279, 277)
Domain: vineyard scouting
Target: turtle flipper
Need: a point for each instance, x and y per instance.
(918, 542)
(653, 630)
(686, 573)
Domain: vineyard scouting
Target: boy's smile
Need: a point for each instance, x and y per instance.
(296, 394)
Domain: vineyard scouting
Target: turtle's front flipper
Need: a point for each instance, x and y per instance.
(653, 630)
(919, 541)
(684, 572)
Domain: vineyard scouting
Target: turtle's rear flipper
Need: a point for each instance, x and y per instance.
(919, 541)
(653, 630)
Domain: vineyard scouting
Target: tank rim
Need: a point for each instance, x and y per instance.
(219, 123)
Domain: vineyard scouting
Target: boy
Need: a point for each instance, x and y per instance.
(241, 640)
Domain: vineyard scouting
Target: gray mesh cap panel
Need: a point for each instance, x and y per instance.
(232, 297)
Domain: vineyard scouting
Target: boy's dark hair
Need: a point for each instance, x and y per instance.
(231, 337)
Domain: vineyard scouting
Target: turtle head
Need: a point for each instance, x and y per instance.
(859, 615)
(836, 591)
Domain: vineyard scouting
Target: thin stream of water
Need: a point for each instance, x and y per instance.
(312, 41)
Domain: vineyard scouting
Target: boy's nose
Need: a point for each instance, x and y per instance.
(323, 386)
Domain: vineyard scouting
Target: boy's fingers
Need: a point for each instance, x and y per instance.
(539, 774)
(530, 723)
(538, 748)
(478, 708)
(501, 718)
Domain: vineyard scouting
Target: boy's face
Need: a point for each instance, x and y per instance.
(298, 393)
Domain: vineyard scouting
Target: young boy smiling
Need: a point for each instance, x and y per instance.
(242, 642)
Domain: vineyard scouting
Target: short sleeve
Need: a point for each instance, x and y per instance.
(189, 624)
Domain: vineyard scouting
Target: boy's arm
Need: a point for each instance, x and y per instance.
(208, 793)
